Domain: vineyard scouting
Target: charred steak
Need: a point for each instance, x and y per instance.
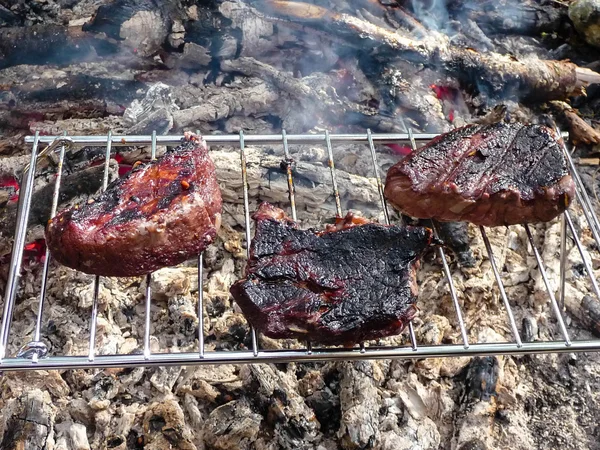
(160, 214)
(491, 175)
(352, 282)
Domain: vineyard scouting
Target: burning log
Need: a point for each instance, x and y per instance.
(493, 73)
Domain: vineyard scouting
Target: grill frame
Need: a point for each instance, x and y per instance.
(33, 355)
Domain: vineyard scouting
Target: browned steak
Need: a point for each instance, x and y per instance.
(355, 281)
(160, 214)
(491, 175)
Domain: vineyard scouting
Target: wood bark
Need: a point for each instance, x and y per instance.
(580, 132)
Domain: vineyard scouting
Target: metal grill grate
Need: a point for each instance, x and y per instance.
(34, 354)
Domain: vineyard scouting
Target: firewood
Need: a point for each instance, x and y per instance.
(499, 75)
(580, 132)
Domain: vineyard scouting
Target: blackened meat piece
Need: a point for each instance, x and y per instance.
(159, 214)
(355, 281)
(491, 175)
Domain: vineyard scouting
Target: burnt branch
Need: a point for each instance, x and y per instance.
(493, 73)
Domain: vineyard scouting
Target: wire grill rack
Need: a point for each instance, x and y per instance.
(34, 355)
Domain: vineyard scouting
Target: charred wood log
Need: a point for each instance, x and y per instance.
(66, 95)
(481, 378)
(142, 25)
(50, 44)
(477, 404)
(511, 16)
(455, 235)
(591, 308)
(492, 73)
(28, 421)
(257, 100)
(78, 88)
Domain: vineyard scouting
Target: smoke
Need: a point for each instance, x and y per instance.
(477, 20)
(432, 14)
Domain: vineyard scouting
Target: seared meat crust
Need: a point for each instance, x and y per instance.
(160, 214)
(355, 281)
(491, 175)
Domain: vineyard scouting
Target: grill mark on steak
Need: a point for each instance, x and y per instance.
(354, 281)
(491, 175)
(159, 214)
(482, 158)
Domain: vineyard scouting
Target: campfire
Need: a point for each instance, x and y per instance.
(305, 106)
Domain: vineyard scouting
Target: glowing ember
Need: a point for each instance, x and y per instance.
(400, 149)
(35, 251)
(11, 183)
(448, 96)
(443, 92)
